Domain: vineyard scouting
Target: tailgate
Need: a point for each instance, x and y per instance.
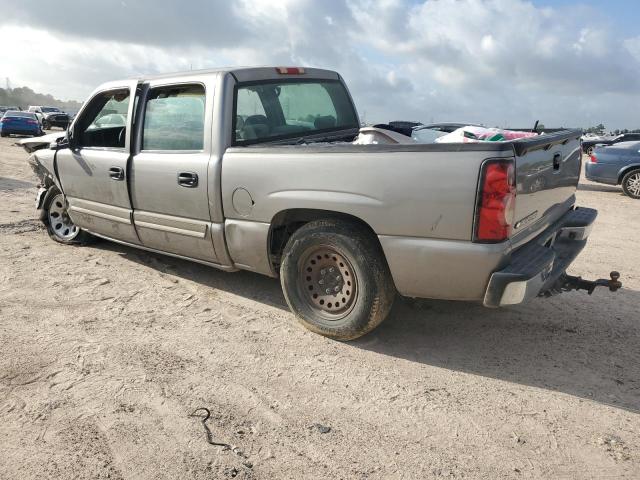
(547, 174)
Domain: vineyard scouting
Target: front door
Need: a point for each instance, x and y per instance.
(169, 172)
(93, 173)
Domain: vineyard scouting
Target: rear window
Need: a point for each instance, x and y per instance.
(19, 114)
(270, 111)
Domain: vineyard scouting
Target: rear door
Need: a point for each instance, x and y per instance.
(547, 174)
(169, 172)
(94, 172)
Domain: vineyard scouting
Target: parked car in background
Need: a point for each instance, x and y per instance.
(4, 108)
(111, 120)
(616, 165)
(51, 117)
(588, 145)
(19, 123)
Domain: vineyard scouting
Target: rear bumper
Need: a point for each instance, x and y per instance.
(21, 131)
(57, 123)
(534, 267)
(601, 173)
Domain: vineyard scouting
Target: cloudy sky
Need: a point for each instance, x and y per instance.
(498, 62)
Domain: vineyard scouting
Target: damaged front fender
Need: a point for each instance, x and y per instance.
(38, 143)
(42, 162)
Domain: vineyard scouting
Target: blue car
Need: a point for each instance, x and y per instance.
(617, 165)
(20, 123)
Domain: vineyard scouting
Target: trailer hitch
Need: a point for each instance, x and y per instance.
(567, 283)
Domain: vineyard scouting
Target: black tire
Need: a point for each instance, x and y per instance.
(55, 200)
(365, 295)
(4, 134)
(631, 184)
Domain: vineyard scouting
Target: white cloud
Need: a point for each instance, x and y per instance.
(490, 61)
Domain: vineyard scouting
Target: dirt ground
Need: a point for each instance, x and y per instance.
(106, 350)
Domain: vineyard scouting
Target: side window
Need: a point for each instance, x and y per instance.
(104, 123)
(249, 112)
(174, 118)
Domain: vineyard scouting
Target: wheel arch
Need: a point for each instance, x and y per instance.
(286, 222)
(626, 169)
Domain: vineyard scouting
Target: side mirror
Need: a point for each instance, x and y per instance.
(64, 142)
(70, 141)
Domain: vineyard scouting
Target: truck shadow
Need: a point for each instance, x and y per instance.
(581, 345)
(7, 184)
(575, 344)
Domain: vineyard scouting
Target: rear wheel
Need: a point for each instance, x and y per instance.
(631, 184)
(59, 225)
(336, 280)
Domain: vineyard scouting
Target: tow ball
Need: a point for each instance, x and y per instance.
(567, 283)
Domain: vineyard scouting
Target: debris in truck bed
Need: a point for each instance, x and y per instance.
(473, 134)
(376, 135)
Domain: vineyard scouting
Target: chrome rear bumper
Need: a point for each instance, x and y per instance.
(536, 266)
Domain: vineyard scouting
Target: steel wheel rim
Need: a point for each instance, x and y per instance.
(633, 184)
(59, 220)
(328, 282)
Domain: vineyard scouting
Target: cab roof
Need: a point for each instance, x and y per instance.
(246, 74)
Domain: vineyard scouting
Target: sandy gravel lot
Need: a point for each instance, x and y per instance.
(105, 351)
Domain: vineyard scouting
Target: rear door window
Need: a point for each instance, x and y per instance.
(174, 118)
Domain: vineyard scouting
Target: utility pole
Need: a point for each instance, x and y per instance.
(8, 84)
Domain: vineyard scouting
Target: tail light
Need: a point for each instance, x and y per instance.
(593, 158)
(32, 122)
(495, 208)
(290, 70)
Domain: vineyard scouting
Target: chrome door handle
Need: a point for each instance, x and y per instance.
(188, 179)
(116, 173)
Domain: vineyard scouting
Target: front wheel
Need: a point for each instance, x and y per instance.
(59, 225)
(336, 280)
(631, 184)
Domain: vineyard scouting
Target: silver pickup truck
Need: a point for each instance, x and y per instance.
(255, 169)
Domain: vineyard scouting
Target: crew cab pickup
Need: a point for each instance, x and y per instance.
(255, 169)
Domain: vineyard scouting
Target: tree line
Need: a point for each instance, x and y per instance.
(601, 130)
(23, 97)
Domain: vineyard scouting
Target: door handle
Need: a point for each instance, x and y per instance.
(557, 158)
(188, 179)
(116, 173)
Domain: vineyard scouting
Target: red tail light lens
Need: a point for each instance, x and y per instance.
(496, 201)
(593, 158)
(290, 70)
